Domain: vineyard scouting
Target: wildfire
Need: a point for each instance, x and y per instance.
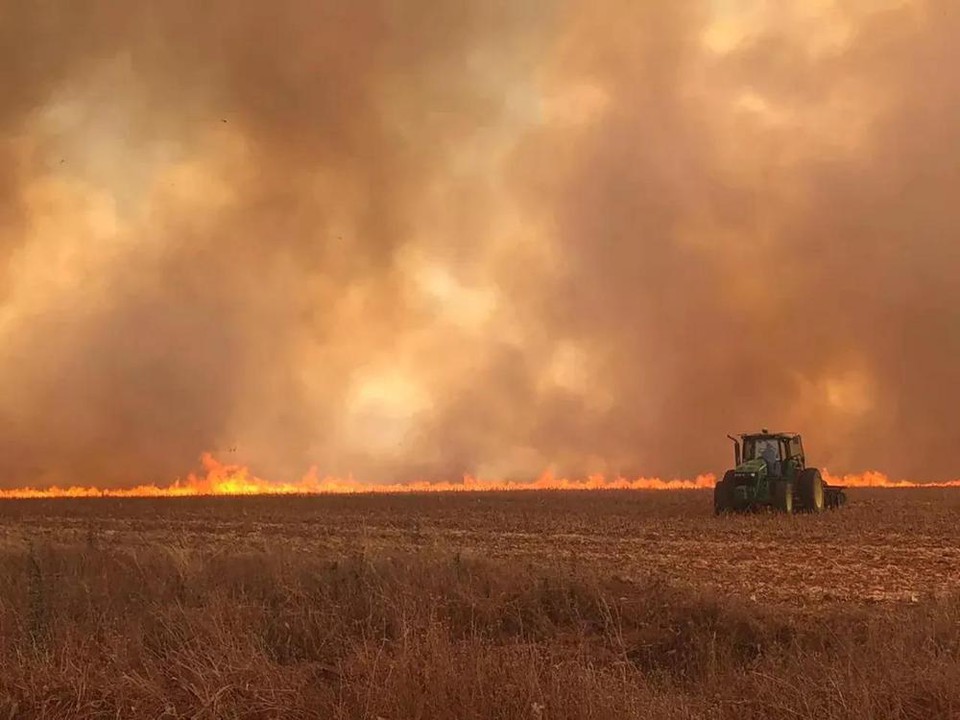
(228, 479)
(879, 480)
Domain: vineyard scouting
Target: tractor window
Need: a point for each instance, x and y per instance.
(763, 448)
(795, 449)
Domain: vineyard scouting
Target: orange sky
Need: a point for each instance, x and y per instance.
(496, 239)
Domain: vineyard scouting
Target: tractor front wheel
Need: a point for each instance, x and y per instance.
(783, 497)
(812, 496)
(723, 495)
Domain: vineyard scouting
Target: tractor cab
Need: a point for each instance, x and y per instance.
(777, 455)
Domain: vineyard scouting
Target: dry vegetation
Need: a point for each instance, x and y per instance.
(535, 606)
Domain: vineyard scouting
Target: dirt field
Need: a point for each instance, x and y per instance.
(886, 545)
(522, 606)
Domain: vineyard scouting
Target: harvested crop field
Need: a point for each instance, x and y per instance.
(533, 605)
(886, 545)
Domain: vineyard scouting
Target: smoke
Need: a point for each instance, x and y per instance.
(415, 240)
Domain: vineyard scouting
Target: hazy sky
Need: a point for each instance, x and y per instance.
(420, 239)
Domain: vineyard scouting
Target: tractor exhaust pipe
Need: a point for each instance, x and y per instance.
(736, 450)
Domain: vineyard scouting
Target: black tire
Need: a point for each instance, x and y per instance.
(812, 494)
(783, 496)
(723, 495)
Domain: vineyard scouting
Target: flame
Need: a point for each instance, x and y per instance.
(227, 479)
(875, 479)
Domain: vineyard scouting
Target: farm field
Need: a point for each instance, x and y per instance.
(886, 545)
(489, 605)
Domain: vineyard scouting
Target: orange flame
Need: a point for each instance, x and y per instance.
(879, 480)
(226, 479)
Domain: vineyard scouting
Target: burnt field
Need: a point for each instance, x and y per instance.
(488, 605)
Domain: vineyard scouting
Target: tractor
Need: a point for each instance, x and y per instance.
(771, 472)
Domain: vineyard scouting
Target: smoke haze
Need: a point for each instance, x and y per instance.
(419, 239)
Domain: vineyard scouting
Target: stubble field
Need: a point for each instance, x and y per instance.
(508, 605)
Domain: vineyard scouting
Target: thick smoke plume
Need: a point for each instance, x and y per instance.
(421, 239)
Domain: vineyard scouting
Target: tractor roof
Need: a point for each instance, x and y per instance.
(766, 433)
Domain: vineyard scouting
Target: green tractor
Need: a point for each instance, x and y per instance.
(771, 472)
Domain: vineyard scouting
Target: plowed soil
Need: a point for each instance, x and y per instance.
(885, 546)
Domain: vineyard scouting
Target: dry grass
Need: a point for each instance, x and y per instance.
(104, 627)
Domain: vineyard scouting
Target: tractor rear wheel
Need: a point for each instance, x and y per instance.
(783, 496)
(812, 496)
(723, 495)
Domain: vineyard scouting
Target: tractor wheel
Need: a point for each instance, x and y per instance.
(812, 496)
(783, 497)
(723, 495)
